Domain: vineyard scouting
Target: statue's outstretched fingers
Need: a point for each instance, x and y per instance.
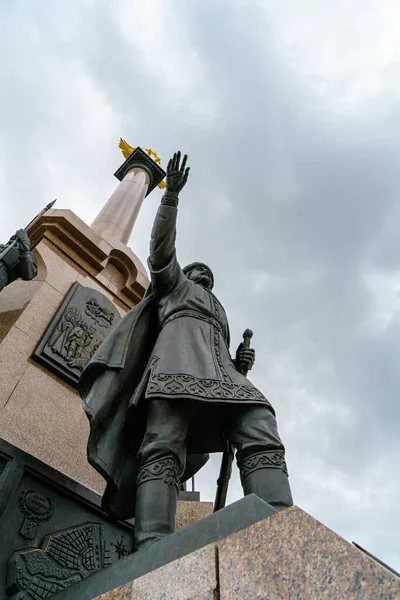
(186, 175)
(184, 163)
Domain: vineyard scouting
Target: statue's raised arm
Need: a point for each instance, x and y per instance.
(164, 268)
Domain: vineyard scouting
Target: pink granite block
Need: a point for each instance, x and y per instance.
(291, 556)
(192, 577)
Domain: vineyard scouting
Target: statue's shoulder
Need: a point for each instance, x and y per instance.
(215, 300)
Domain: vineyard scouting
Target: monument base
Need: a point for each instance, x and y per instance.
(53, 531)
(190, 512)
(209, 530)
(245, 551)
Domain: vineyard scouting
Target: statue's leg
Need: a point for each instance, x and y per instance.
(260, 455)
(162, 458)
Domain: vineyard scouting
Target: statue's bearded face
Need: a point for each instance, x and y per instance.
(201, 275)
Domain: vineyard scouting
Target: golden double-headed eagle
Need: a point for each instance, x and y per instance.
(127, 151)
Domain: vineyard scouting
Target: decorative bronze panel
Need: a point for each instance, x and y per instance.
(78, 328)
(53, 532)
(64, 558)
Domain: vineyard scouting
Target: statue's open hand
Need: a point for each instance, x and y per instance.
(177, 175)
(23, 240)
(245, 358)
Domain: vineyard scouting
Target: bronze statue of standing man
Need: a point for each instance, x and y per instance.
(163, 391)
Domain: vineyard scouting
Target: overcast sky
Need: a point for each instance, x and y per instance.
(289, 112)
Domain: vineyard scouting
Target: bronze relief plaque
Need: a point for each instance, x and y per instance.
(80, 325)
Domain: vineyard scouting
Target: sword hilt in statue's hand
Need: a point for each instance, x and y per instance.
(245, 355)
(247, 335)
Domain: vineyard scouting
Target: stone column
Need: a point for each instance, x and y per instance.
(138, 176)
(117, 218)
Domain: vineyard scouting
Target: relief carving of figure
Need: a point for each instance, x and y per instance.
(74, 340)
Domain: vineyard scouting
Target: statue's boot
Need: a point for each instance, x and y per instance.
(271, 484)
(155, 513)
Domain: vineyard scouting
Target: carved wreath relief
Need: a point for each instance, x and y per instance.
(37, 509)
(77, 330)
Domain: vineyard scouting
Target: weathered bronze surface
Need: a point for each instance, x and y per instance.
(163, 390)
(16, 259)
(53, 533)
(78, 328)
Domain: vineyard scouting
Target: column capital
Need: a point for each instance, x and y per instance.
(140, 159)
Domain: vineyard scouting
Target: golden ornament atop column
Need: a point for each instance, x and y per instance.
(127, 150)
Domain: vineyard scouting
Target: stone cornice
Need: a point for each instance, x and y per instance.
(90, 252)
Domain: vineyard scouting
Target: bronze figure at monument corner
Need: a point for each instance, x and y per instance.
(162, 391)
(16, 259)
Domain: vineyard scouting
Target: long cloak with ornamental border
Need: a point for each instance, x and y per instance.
(173, 345)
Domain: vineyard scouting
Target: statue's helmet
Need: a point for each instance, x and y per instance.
(193, 265)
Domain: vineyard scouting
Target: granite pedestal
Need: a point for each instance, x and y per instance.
(284, 556)
(196, 537)
(287, 556)
(292, 556)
